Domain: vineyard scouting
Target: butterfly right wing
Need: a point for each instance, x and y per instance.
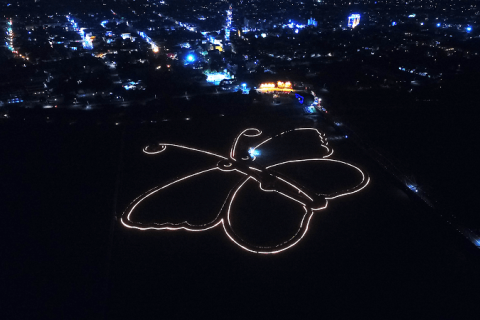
(265, 220)
(291, 144)
(329, 178)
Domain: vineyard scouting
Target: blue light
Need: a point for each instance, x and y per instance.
(439, 24)
(253, 152)
(310, 109)
(412, 187)
(299, 97)
(244, 85)
(394, 23)
(190, 58)
(469, 29)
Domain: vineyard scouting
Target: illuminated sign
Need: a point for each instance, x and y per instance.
(254, 172)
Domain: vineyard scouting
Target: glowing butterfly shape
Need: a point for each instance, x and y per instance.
(263, 196)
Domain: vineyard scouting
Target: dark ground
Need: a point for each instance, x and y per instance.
(376, 254)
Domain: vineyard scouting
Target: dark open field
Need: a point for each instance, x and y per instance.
(378, 253)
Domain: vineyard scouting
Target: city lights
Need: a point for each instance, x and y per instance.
(87, 39)
(267, 180)
(152, 44)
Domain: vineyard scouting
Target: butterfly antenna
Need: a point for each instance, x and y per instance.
(250, 132)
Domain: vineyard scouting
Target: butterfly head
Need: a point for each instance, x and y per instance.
(226, 165)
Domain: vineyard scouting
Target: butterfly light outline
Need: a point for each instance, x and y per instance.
(268, 179)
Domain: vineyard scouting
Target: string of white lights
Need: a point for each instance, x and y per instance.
(164, 147)
(268, 181)
(167, 225)
(255, 133)
(365, 179)
(323, 139)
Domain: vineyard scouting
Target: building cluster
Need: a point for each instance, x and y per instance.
(80, 55)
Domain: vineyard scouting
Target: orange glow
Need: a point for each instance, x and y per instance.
(267, 85)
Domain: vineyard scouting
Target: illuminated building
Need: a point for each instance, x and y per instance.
(267, 85)
(216, 77)
(281, 86)
(353, 20)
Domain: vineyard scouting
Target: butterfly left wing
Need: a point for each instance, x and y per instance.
(190, 202)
